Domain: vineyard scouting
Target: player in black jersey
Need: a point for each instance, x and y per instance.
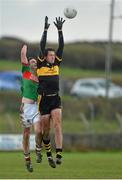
(48, 74)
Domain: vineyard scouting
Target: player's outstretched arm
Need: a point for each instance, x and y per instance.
(44, 38)
(24, 59)
(59, 24)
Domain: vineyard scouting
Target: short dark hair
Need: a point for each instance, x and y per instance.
(48, 49)
(29, 58)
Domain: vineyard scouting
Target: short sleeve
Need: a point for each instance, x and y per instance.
(25, 67)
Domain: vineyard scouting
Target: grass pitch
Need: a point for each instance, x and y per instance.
(75, 165)
(66, 72)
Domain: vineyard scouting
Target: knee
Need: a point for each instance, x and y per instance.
(46, 126)
(38, 131)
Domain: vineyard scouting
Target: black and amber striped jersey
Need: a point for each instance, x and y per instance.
(48, 74)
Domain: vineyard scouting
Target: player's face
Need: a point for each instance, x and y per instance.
(33, 64)
(51, 57)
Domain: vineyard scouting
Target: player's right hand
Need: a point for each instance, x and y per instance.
(46, 26)
(24, 48)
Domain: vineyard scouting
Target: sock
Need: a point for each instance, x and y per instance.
(47, 145)
(58, 153)
(27, 157)
(38, 149)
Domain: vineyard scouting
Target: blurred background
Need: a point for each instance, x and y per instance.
(91, 71)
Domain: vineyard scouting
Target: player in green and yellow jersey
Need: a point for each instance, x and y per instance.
(29, 108)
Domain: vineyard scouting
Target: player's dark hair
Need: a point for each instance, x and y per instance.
(48, 49)
(29, 58)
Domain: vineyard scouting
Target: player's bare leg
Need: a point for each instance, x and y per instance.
(56, 115)
(26, 137)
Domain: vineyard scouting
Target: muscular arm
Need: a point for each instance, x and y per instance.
(44, 39)
(59, 24)
(24, 59)
(43, 44)
(59, 52)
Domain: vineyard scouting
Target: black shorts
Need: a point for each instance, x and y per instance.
(49, 103)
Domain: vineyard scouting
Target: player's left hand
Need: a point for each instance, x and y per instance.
(59, 23)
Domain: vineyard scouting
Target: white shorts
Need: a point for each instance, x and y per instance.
(29, 114)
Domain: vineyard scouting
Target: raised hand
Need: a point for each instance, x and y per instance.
(24, 48)
(46, 25)
(23, 55)
(59, 23)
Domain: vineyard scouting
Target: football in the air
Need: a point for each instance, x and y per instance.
(70, 12)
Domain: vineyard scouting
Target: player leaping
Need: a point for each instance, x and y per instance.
(48, 74)
(29, 107)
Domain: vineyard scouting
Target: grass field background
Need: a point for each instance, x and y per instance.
(75, 165)
(66, 72)
(9, 119)
(72, 122)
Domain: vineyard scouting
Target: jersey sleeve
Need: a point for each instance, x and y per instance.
(59, 52)
(25, 67)
(43, 45)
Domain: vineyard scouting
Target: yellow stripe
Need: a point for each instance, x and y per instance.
(48, 150)
(41, 59)
(59, 59)
(46, 145)
(39, 99)
(59, 153)
(46, 71)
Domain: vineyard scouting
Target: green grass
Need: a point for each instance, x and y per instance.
(74, 73)
(75, 165)
(9, 65)
(72, 123)
(98, 126)
(66, 72)
(10, 123)
(103, 122)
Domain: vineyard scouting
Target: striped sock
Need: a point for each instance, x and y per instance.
(58, 153)
(27, 157)
(38, 149)
(47, 145)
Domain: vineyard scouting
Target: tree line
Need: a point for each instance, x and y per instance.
(84, 55)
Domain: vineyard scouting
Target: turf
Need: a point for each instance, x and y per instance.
(75, 165)
(66, 72)
(9, 65)
(10, 123)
